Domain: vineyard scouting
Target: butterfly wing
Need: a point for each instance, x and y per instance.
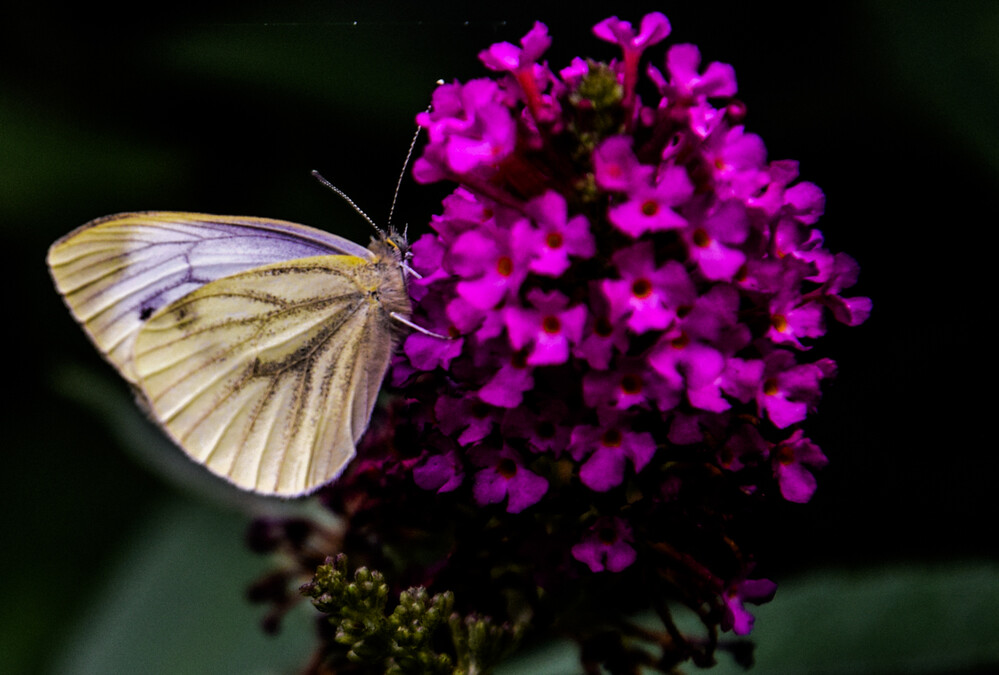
(268, 377)
(116, 272)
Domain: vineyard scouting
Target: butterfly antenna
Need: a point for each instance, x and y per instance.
(347, 199)
(402, 174)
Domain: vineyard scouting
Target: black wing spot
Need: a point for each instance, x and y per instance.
(146, 312)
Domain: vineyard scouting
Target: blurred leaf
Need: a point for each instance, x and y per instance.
(904, 618)
(174, 603)
(945, 58)
(49, 158)
(901, 619)
(559, 657)
(358, 70)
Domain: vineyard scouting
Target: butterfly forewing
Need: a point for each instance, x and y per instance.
(115, 272)
(268, 377)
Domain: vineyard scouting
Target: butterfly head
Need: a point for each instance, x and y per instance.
(397, 240)
(393, 245)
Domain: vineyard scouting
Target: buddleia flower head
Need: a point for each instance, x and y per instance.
(632, 292)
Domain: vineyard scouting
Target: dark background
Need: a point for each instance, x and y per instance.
(112, 550)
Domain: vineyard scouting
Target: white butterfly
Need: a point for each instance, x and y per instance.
(258, 345)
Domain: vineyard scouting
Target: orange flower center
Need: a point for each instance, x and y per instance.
(504, 266)
(607, 535)
(631, 384)
(506, 468)
(612, 438)
(641, 288)
(784, 455)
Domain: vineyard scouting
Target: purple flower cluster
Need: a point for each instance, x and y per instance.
(627, 286)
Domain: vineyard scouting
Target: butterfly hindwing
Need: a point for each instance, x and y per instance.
(268, 377)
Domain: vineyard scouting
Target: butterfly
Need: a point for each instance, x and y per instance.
(259, 346)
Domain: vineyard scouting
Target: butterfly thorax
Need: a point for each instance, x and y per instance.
(389, 287)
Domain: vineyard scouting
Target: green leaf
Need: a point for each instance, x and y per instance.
(175, 603)
(906, 618)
